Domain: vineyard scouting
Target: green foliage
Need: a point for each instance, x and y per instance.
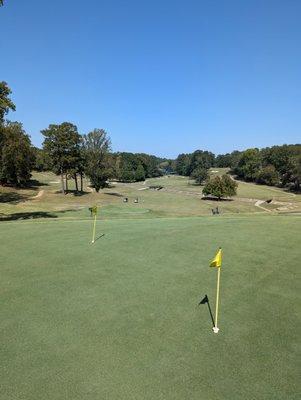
(223, 160)
(220, 187)
(167, 167)
(5, 102)
(200, 174)
(279, 157)
(140, 174)
(150, 164)
(271, 166)
(296, 175)
(127, 174)
(268, 176)
(16, 156)
(183, 164)
(186, 164)
(42, 160)
(97, 161)
(228, 160)
(248, 165)
(129, 166)
(195, 165)
(200, 159)
(62, 146)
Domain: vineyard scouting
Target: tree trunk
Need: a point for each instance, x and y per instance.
(62, 181)
(66, 183)
(75, 180)
(81, 182)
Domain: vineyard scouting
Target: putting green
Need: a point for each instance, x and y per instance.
(120, 319)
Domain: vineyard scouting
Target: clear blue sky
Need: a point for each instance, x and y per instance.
(161, 76)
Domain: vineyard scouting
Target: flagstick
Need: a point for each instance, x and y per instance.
(94, 226)
(215, 328)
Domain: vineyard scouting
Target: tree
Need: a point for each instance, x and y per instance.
(186, 164)
(5, 102)
(220, 187)
(127, 166)
(150, 164)
(182, 164)
(167, 167)
(42, 161)
(62, 145)
(140, 173)
(200, 159)
(279, 157)
(296, 180)
(17, 155)
(248, 165)
(81, 164)
(200, 174)
(223, 160)
(98, 163)
(127, 173)
(268, 176)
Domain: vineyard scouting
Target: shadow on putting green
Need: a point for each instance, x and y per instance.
(205, 300)
(99, 237)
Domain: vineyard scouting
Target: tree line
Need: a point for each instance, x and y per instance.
(16, 152)
(274, 166)
(72, 155)
(67, 153)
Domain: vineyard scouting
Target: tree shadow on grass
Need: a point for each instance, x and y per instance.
(213, 198)
(26, 215)
(77, 193)
(73, 192)
(31, 215)
(13, 197)
(33, 183)
(114, 194)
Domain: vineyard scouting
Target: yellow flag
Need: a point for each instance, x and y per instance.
(217, 261)
(94, 210)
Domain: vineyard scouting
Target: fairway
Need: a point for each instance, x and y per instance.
(179, 197)
(120, 319)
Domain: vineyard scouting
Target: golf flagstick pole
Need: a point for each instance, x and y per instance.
(94, 227)
(217, 263)
(215, 328)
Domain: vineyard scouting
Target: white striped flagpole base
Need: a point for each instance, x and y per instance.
(215, 329)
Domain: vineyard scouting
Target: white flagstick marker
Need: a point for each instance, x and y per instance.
(215, 328)
(217, 263)
(94, 225)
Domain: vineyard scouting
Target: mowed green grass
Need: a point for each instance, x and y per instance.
(120, 319)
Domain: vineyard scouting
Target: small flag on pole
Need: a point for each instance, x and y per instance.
(94, 211)
(217, 263)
